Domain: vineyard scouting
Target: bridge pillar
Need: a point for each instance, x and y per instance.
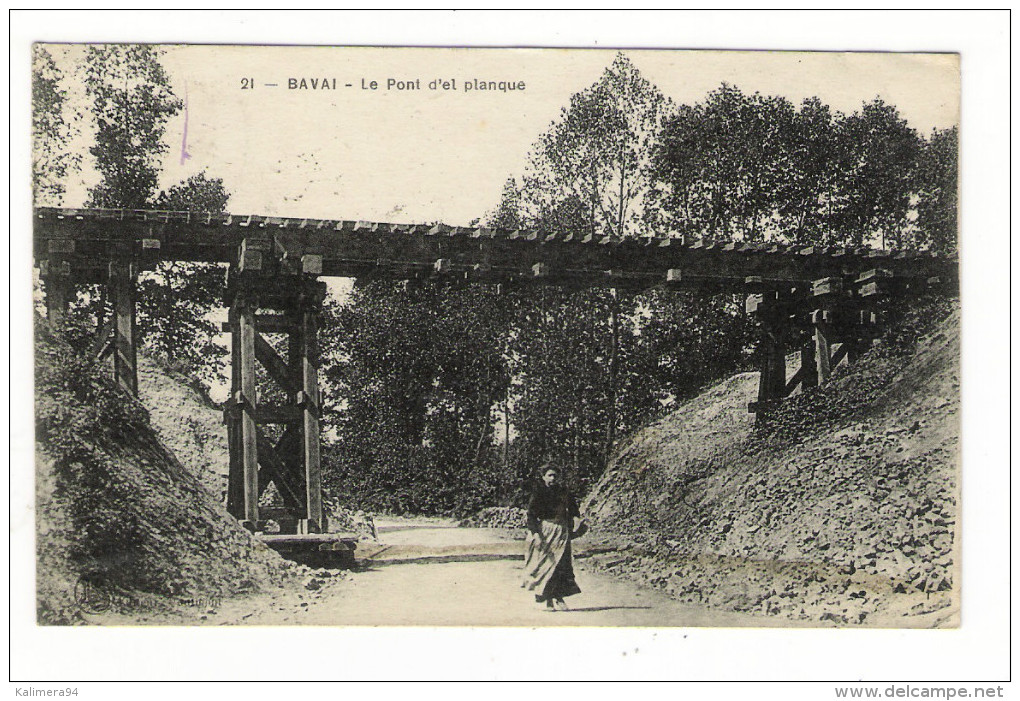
(123, 289)
(247, 401)
(273, 429)
(310, 434)
(55, 271)
(808, 368)
(767, 306)
(58, 297)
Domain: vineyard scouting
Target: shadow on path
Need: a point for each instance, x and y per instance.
(601, 608)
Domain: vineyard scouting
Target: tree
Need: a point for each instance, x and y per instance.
(130, 101)
(591, 168)
(416, 371)
(876, 158)
(175, 299)
(752, 167)
(580, 360)
(724, 167)
(52, 129)
(937, 186)
(805, 197)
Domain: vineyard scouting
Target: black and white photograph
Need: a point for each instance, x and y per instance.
(477, 337)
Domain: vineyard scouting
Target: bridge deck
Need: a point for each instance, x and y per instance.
(88, 239)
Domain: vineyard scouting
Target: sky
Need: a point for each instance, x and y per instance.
(426, 155)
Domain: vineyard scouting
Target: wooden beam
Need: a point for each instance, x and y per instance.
(808, 369)
(249, 440)
(279, 414)
(104, 339)
(827, 286)
(275, 365)
(58, 295)
(794, 382)
(270, 460)
(345, 246)
(840, 353)
(310, 429)
(125, 353)
(232, 416)
(776, 376)
(822, 350)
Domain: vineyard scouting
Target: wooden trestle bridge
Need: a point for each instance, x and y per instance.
(824, 303)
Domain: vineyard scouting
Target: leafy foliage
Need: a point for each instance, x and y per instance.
(175, 300)
(416, 371)
(937, 186)
(753, 167)
(52, 161)
(721, 163)
(78, 409)
(131, 101)
(590, 170)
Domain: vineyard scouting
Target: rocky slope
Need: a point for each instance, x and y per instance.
(841, 508)
(187, 423)
(121, 523)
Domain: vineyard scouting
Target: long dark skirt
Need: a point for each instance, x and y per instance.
(562, 582)
(548, 567)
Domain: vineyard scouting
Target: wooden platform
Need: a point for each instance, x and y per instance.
(88, 239)
(330, 550)
(310, 541)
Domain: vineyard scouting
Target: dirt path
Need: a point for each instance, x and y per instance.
(428, 572)
(423, 584)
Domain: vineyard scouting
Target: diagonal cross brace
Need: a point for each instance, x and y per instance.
(276, 367)
(270, 460)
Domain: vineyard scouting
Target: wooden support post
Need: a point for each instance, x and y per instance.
(772, 381)
(58, 296)
(853, 349)
(123, 280)
(232, 415)
(309, 345)
(823, 352)
(777, 366)
(808, 368)
(248, 398)
(772, 354)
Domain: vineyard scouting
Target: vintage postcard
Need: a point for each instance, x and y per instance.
(495, 337)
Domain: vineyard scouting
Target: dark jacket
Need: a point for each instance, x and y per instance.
(551, 504)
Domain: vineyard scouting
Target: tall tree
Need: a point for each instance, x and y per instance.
(591, 167)
(416, 372)
(937, 186)
(877, 155)
(589, 173)
(131, 102)
(175, 300)
(723, 165)
(805, 196)
(52, 129)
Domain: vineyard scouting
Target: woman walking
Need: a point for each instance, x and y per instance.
(552, 517)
